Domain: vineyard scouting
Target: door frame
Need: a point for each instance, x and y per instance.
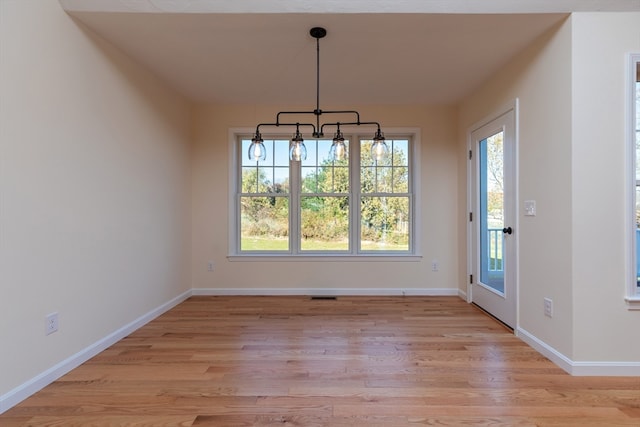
(472, 209)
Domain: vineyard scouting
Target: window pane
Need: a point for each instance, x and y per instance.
(280, 180)
(368, 180)
(384, 224)
(257, 180)
(400, 152)
(390, 174)
(324, 223)
(264, 223)
(384, 180)
(333, 179)
(365, 153)
(270, 175)
(401, 179)
(309, 179)
(324, 176)
(280, 152)
(312, 153)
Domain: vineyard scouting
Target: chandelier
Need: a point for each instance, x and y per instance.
(297, 149)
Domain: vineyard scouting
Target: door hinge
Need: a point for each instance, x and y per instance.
(470, 154)
(470, 216)
(471, 279)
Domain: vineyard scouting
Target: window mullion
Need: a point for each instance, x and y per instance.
(354, 199)
(295, 189)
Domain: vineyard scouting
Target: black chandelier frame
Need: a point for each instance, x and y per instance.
(297, 149)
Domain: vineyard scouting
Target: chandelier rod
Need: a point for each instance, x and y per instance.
(257, 149)
(318, 130)
(318, 112)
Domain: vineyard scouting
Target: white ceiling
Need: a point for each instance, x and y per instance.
(217, 52)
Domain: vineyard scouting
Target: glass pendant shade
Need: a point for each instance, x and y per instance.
(257, 150)
(338, 150)
(379, 148)
(298, 151)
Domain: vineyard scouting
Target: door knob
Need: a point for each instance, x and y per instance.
(507, 230)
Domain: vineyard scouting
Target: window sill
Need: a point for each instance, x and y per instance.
(327, 258)
(633, 302)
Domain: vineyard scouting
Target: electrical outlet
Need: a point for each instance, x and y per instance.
(434, 265)
(51, 324)
(210, 266)
(548, 307)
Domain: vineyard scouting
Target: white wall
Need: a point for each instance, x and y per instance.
(94, 189)
(211, 211)
(604, 329)
(540, 78)
(571, 161)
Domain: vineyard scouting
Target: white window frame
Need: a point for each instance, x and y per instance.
(632, 291)
(354, 135)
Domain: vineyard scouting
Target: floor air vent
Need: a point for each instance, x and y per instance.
(324, 298)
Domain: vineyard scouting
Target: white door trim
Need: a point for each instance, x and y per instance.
(504, 109)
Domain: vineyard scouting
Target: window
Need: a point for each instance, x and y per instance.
(633, 294)
(359, 206)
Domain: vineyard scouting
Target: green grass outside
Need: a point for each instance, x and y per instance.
(264, 244)
(254, 243)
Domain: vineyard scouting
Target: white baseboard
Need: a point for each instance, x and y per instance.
(18, 394)
(582, 368)
(326, 292)
(463, 295)
(545, 349)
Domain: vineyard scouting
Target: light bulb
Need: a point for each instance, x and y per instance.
(257, 150)
(379, 150)
(338, 151)
(298, 151)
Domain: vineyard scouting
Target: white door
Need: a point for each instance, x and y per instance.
(492, 217)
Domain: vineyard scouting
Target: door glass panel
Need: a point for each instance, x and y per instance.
(637, 132)
(491, 158)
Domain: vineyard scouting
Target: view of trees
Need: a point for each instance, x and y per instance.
(492, 206)
(495, 180)
(325, 203)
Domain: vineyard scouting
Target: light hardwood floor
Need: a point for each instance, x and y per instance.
(355, 361)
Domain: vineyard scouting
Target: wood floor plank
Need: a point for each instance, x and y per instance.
(354, 361)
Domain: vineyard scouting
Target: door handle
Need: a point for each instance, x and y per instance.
(507, 230)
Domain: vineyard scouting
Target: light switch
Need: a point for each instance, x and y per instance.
(529, 208)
